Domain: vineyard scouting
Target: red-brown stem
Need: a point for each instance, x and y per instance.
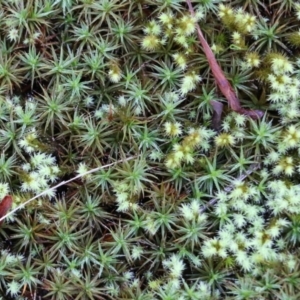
(220, 78)
(5, 205)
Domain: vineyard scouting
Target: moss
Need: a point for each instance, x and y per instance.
(166, 203)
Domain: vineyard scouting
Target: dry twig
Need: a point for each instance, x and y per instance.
(62, 183)
(229, 188)
(220, 78)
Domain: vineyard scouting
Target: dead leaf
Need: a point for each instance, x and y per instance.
(217, 114)
(5, 206)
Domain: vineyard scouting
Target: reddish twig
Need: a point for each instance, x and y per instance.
(220, 78)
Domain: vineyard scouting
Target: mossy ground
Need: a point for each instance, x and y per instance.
(194, 205)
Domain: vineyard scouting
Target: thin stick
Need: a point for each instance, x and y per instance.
(252, 168)
(63, 183)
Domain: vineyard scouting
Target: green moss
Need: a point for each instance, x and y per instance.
(182, 200)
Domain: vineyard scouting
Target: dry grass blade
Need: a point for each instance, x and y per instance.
(4, 215)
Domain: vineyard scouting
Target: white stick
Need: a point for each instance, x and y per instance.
(62, 183)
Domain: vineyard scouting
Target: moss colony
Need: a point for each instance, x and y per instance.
(188, 202)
